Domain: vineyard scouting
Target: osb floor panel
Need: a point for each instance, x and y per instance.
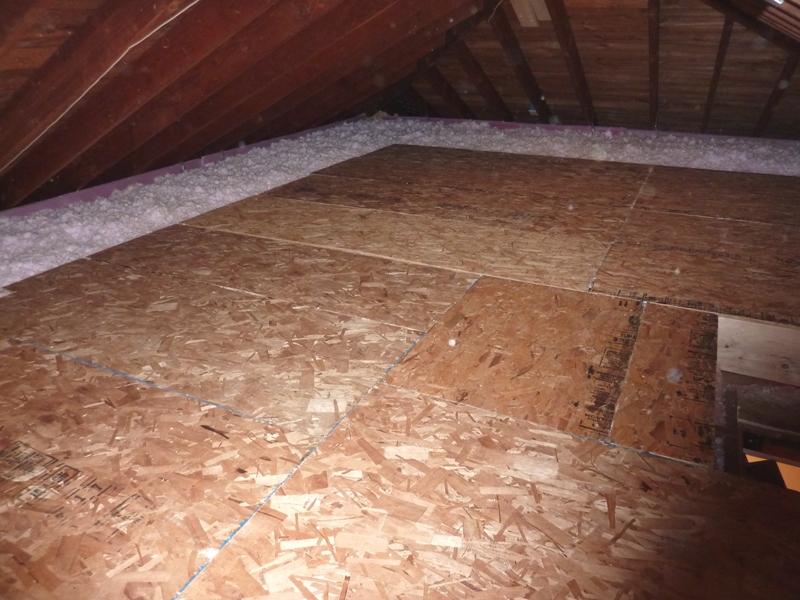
(612, 184)
(108, 486)
(290, 365)
(747, 196)
(350, 284)
(229, 346)
(414, 497)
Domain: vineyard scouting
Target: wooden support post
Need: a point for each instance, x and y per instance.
(654, 18)
(722, 50)
(72, 71)
(446, 91)
(784, 79)
(190, 39)
(505, 34)
(480, 80)
(569, 49)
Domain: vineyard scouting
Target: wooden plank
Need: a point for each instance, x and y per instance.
(722, 50)
(508, 39)
(703, 281)
(285, 364)
(340, 282)
(761, 350)
(240, 100)
(446, 91)
(569, 49)
(481, 81)
(108, 485)
(784, 80)
(745, 196)
(654, 25)
(417, 103)
(504, 508)
(190, 39)
(668, 401)
(263, 35)
(77, 66)
(549, 356)
(445, 243)
(14, 15)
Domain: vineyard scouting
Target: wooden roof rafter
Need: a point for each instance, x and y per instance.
(74, 70)
(569, 48)
(722, 51)
(766, 31)
(508, 39)
(447, 93)
(481, 81)
(654, 25)
(784, 79)
(212, 23)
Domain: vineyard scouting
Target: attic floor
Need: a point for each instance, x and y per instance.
(422, 373)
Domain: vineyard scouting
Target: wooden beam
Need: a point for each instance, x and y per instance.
(426, 40)
(481, 81)
(215, 119)
(783, 41)
(654, 21)
(508, 40)
(433, 76)
(757, 349)
(74, 69)
(784, 79)
(231, 60)
(192, 38)
(569, 49)
(13, 18)
(417, 102)
(722, 50)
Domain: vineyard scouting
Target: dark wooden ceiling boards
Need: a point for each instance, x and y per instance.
(93, 90)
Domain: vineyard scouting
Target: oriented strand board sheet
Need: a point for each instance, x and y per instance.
(540, 211)
(612, 184)
(448, 243)
(290, 365)
(668, 400)
(553, 357)
(564, 261)
(111, 489)
(746, 196)
(718, 237)
(417, 498)
(761, 288)
(350, 284)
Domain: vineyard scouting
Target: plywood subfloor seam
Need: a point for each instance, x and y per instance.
(138, 380)
(683, 213)
(621, 228)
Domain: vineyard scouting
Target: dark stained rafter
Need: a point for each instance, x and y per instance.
(566, 39)
(722, 50)
(766, 31)
(80, 62)
(193, 37)
(654, 23)
(412, 97)
(505, 34)
(237, 58)
(447, 93)
(481, 81)
(341, 47)
(13, 16)
(784, 79)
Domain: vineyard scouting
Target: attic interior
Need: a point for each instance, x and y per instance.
(423, 372)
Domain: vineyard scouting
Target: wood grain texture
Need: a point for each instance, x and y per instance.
(546, 355)
(610, 184)
(418, 498)
(763, 289)
(744, 196)
(668, 402)
(285, 364)
(761, 350)
(449, 243)
(112, 489)
(349, 284)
